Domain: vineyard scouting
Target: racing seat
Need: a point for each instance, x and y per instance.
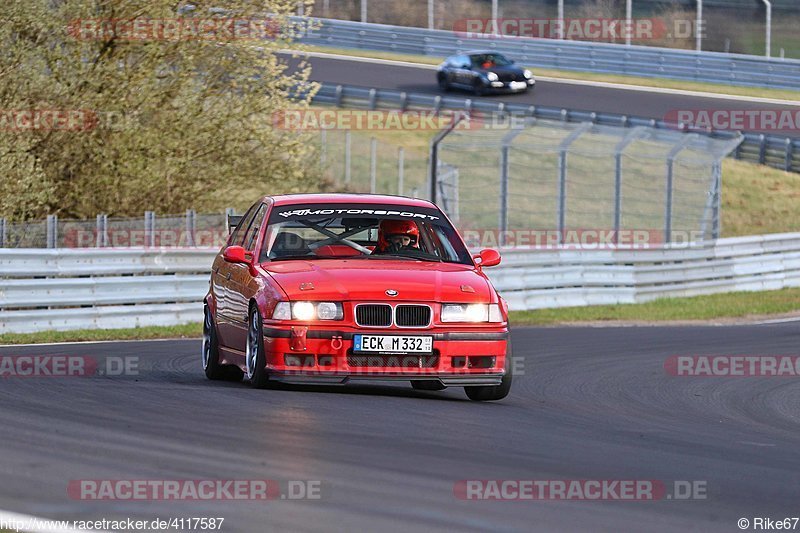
(288, 244)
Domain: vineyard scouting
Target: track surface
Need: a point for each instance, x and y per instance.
(593, 403)
(547, 93)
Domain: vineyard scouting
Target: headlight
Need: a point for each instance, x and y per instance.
(491, 76)
(471, 313)
(528, 74)
(307, 311)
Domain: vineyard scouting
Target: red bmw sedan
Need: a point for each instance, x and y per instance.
(334, 288)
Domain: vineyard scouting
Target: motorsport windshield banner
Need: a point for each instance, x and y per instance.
(322, 211)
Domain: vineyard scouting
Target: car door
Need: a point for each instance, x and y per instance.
(243, 284)
(225, 286)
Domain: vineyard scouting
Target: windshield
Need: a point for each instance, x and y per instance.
(361, 231)
(489, 60)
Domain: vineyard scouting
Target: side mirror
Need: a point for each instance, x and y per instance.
(487, 258)
(235, 254)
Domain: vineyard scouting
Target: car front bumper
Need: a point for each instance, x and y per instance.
(304, 355)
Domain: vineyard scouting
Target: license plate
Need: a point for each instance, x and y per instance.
(392, 344)
(518, 85)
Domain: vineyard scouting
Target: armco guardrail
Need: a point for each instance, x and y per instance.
(88, 288)
(771, 150)
(647, 61)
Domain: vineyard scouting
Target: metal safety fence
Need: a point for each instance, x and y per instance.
(113, 288)
(646, 61)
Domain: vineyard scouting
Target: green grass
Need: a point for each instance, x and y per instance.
(149, 332)
(710, 307)
(719, 88)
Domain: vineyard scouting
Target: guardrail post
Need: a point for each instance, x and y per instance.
(2, 232)
(338, 98)
(101, 225)
(373, 94)
(403, 101)
(52, 231)
(787, 165)
(437, 105)
(373, 156)
(347, 154)
(762, 148)
(149, 229)
(401, 158)
(191, 226)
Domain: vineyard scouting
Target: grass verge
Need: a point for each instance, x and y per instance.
(698, 308)
(149, 332)
(662, 83)
(710, 307)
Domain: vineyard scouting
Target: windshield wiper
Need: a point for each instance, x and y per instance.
(432, 259)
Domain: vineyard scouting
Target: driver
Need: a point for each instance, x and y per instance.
(397, 235)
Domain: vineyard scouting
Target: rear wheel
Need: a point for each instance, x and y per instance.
(443, 84)
(210, 349)
(255, 356)
(488, 393)
(428, 384)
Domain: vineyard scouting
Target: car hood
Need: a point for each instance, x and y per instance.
(369, 279)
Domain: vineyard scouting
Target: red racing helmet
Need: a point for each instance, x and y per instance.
(406, 228)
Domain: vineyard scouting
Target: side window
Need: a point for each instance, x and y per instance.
(463, 61)
(252, 234)
(238, 235)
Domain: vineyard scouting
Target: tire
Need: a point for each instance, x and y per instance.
(428, 385)
(479, 88)
(210, 350)
(255, 357)
(489, 393)
(443, 84)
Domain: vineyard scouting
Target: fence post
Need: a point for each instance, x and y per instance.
(620, 149)
(323, 155)
(52, 231)
(2, 233)
(433, 160)
(787, 165)
(673, 153)
(716, 222)
(191, 226)
(505, 152)
(562, 177)
(401, 156)
(347, 144)
(373, 171)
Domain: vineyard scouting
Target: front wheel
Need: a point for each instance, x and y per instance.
(210, 349)
(443, 84)
(488, 393)
(255, 357)
(479, 88)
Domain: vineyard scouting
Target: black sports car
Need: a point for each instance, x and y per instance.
(483, 72)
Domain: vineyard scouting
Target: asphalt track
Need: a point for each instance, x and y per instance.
(592, 403)
(642, 103)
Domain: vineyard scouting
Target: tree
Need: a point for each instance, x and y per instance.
(118, 106)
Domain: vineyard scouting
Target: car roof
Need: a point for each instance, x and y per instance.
(347, 198)
(481, 52)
